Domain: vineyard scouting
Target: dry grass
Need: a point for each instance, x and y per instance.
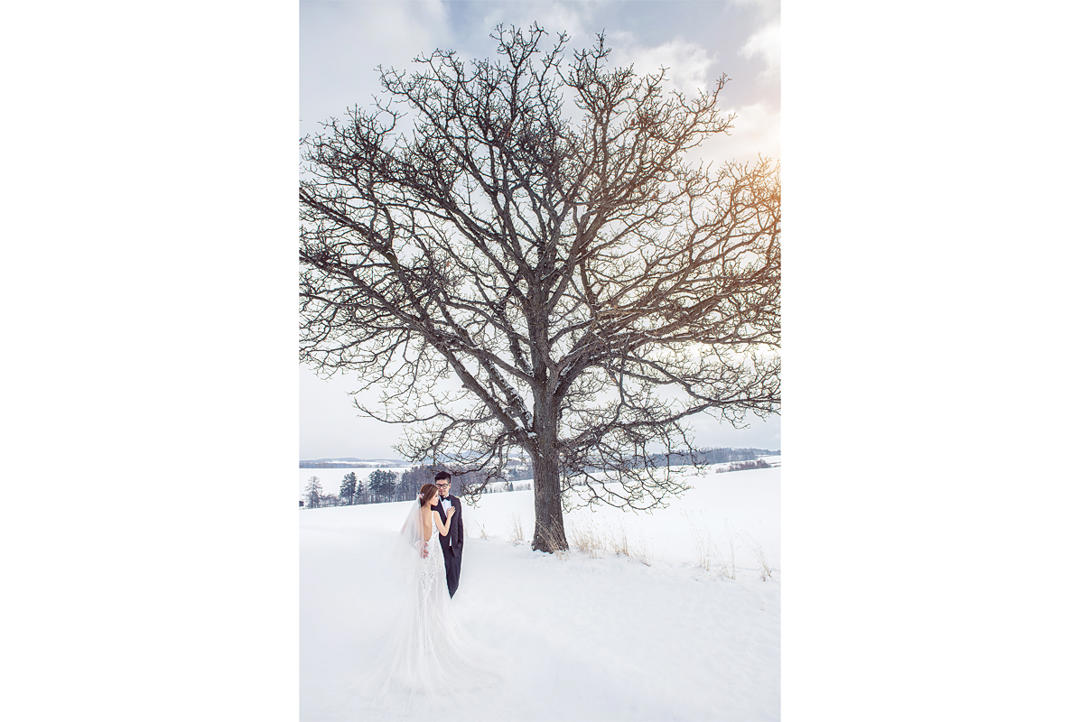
(621, 544)
(710, 558)
(517, 534)
(586, 542)
(597, 544)
(766, 570)
(551, 543)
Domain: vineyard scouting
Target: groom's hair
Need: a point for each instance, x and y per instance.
(443, 475)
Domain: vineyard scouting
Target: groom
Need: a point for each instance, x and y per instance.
(452, 542)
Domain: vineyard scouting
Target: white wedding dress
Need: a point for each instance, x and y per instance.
(430, 657)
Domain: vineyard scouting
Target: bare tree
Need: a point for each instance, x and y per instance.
(313, 491)
(519, 255)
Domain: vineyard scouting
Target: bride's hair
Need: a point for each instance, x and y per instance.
(426, 492)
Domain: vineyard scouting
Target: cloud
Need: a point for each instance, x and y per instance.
(552, 16)
(756, 130)
(765, 43)
(768, 8)
(341, 43)
(687, 63)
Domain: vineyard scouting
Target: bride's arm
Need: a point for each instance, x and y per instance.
(443, 530)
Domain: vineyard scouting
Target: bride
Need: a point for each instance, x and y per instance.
(429, 652)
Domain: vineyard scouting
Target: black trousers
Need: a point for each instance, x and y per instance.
(452, 562)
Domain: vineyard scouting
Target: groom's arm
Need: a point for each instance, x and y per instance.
(461, 537)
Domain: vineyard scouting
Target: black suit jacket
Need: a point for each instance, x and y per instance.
(455, 539)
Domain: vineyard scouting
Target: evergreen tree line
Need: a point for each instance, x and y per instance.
(710, 456)
(385, 486)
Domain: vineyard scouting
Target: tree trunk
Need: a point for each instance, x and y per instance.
(547, 495)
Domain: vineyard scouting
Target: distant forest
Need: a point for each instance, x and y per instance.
(382, 486)
(713, 456)
(385, 486)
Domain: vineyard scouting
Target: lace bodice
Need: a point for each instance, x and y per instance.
(432, 571)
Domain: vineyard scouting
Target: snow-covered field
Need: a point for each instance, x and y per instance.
(683, 626)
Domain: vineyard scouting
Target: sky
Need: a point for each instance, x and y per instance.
(341, 44)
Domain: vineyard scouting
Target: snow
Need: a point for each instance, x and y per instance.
(594, 635)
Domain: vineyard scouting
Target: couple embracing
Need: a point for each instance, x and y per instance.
(447, 519)
(430, 654)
